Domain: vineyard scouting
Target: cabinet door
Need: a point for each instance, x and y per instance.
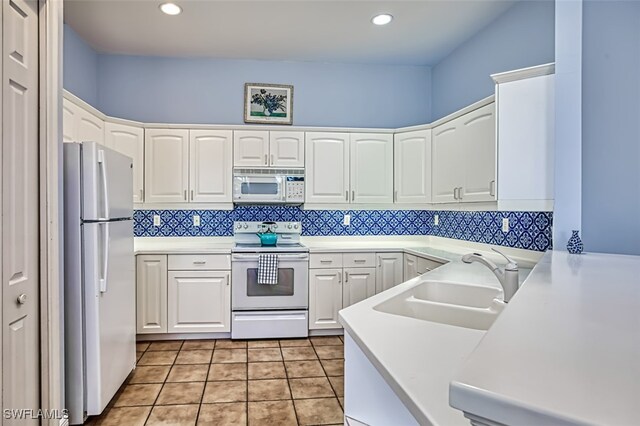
(151, 293)
(250, 148)
(325, 298)
(448, 161)
(412, 157)
(359, 283)
(129, 140)
(371, 168)
(70, 117)
(166, 172)
(327, 168)
(199, 301)
(89, 127)
(410, 267)
(286, 149)
(479, 139)
(389, 273)
(210, 170)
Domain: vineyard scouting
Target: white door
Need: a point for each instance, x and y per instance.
(166, 171)
(325, 298)
(129, 140)
(412, 167)
(250, 148)
(359, 284)
(89, 127)
(286, 149)
(327, 167)
(448, 162)
(199, 301)
(390, 271)
(371, 168)
(20, 252)
(151, 293)
(479, 136)
(210, 171)
(410, 269)
(70, 117)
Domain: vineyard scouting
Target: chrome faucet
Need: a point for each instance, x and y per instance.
(508, 276)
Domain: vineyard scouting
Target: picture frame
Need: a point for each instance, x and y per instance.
(268, 103)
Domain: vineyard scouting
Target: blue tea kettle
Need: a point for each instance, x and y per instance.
(268, 237)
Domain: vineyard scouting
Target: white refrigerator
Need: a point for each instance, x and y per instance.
(99, 289)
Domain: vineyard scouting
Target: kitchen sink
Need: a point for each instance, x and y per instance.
(456, 304)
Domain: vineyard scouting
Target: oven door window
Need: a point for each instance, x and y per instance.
(283, 288)
(259, 188)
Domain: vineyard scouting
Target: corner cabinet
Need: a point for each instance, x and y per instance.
(129, 140)
(322, 150)
(80, 125)
(210, 171)
(412, 168)
(151, 294)
(166, 177)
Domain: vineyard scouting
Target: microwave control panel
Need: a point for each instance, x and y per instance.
(294, 189)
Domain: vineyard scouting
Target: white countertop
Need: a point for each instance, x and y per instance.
(565, 351)
(186, 245)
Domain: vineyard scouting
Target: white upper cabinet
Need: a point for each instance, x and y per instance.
(371, 168)
(250, 148)
(210, 168)
(412, 158)
(166, 165)
(79, 125)
(448, 162)
(479, 130)
(286, 149)
(327, 167)
(70, 117)
(129, 140)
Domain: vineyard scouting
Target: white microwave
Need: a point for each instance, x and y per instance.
(268, 187)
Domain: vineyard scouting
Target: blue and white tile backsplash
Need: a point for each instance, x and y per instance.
(528, 230)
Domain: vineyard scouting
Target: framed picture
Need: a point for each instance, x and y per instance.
(268, 103)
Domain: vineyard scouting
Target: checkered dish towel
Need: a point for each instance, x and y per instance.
(268, 269)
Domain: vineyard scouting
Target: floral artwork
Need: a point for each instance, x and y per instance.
(268, 103)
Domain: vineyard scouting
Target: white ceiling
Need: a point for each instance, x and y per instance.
(422, 33)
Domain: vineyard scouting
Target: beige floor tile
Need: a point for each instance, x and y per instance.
(173, 415)
(318, 411)
(265, 354)
(138, 356)
(133, 416)
(188, 373)
(171, 345)
(325, 340)
(310, 368)
(223, 414)
(330, 352)
(333, 367)
(133, 395)
(293, 343)
(263, 344)
(190, 345)
(149, 374)
(266, 370)
(228, 372)
(181, 393)
(231, 344)
(158, 358)
(276, 413)
(229, 391)
(194, 357)
(341, 399)
(298, 353)
(142, 346)
(229, 355)
(269, 390)
(313, 387)
(337, 383)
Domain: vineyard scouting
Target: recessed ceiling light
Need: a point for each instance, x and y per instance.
(382, 19)
(170, 8)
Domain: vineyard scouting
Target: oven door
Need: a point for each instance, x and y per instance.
(258, 189)
(291, 292)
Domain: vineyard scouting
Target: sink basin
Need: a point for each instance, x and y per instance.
(456, 304)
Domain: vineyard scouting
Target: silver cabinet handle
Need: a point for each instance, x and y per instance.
(199, 262)
(185, 195)
(266, 161)
(353, 195)
(492, 188)
(192, 195)
(346, 195)
(395, 196)
(460, 193)
(346, 277)
(141, 194)
(272, 159)
(325, 261)
(22, 299)
(227, 279)
(455, 193)
(359, 260)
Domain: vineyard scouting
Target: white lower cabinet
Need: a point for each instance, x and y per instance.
(410, 267)
(151, 293)
(390, 271)
(325, 298)
(359, 284)
(199, 301)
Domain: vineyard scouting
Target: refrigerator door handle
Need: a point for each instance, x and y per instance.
(105, 256)
(105, 192)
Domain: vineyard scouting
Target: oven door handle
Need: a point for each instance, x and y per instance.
(280, 257)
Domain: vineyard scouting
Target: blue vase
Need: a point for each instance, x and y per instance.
(574, 245)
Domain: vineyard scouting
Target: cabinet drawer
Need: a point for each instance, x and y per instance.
(325, 260)
(359, 260)
(194, 262)
(426, 265)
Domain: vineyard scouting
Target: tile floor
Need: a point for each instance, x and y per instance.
(224, 382)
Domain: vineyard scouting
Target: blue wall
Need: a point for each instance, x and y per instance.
(80, 67)
(183, 90)
(611, 126)
(523, 36)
